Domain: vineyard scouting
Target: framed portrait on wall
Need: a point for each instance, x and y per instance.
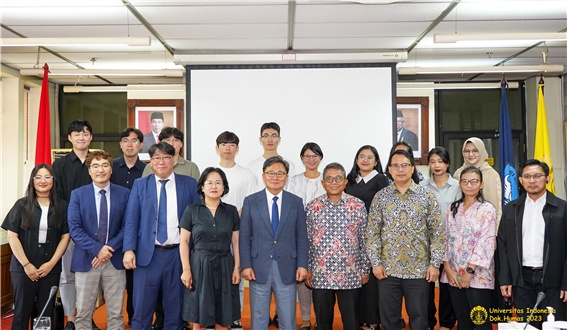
(151, 116)
(412, 124)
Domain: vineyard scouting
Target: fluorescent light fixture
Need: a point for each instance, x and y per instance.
(102, 72)
(128, 88)
(535, 37)
(480, 85)
(130, 41)
(544, 68)
(289, 58)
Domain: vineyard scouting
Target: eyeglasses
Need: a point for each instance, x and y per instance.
(536, 176)
(44, 177)
(364, 157)
(267, 137)
(133, 141)
(470, 151)
(213, 183)
(158, 159)
(311, 156)
(278, 174)
(171, 140)
(337, 179)
(403, 166)
(104, 166)
(473, 182)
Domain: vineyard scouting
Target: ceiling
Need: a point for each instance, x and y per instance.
(277, 27)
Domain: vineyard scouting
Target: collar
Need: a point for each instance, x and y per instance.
(368, 177)
(170, 178)
(97, 189)
(413, 186)
(540, 201)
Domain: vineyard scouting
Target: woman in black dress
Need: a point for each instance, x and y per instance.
(364, 180)
(211, 273)
(38, 235)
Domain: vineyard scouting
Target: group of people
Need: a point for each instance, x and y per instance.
(180, 242)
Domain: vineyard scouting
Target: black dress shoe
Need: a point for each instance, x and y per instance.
(69, 326)
(156, 326)
(275, 322)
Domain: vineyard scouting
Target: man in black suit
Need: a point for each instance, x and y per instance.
(405, 134)
(532, 253)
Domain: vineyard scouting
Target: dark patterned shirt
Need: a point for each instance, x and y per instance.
(336, 232)
(405, 232)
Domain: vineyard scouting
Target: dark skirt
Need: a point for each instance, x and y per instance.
(213, 299)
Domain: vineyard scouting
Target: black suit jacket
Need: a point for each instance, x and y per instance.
(409, 137)
(510, 249)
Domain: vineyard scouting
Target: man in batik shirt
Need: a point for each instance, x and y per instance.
(338, 264)
(405, 244)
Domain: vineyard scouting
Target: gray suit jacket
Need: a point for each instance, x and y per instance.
(258, 241)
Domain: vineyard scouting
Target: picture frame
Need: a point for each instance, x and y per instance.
(415, 112)
(140, 116)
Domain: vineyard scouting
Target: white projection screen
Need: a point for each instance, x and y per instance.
(341, 108)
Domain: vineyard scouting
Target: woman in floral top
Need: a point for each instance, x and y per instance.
(469, 263)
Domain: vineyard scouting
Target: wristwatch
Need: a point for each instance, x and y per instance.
(469, 270)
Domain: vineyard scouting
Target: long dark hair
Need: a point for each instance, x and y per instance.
(353, 174)
(414, 176)
(28, 208)
(455, 204)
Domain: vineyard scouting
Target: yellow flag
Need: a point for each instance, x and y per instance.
(542, 150)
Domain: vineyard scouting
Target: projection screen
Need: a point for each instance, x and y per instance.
(340, 107)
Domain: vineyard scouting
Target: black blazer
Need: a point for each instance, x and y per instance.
(509, 243)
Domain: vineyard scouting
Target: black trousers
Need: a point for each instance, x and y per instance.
(525, 297)
(324, 306)
(467, 299)
(369, 312)
(447, 317)
(416, 294)
(30, 297)
(129, 291)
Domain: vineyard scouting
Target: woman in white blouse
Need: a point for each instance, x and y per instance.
(307, 185)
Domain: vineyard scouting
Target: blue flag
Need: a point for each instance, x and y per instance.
(506, 164)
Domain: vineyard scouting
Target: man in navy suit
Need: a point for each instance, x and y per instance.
(151, 238)
(96, 218)
(273, 246)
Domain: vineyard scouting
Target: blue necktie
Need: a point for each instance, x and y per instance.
(275, 216)
(162, 214)
(102, 218)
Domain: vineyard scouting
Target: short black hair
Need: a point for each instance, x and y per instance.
(273, 160)
(334, 166)
(203, 178)
(532, 162)
(163, 147)
(126, 133)
(78, 125)
(314, 147)
(227, 137)
(271, 125)
(168, 132)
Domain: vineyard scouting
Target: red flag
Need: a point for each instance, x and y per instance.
(43, 141)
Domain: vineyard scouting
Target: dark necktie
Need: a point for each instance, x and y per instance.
(275, 216)
(102, 218)
(275, 219)
(162, 214)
